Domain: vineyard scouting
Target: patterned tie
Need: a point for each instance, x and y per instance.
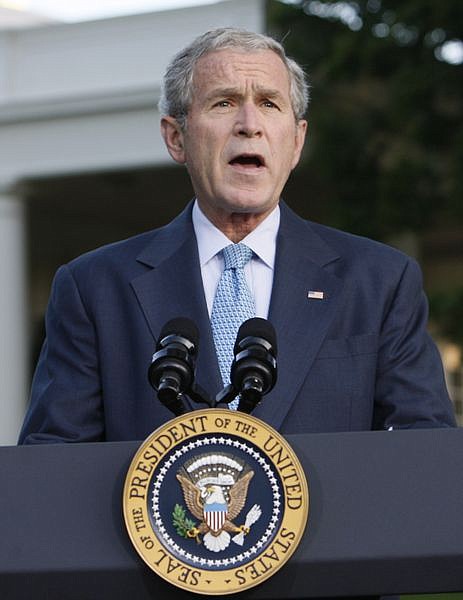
(233, 304)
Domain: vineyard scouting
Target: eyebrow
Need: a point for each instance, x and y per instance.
(234, 92)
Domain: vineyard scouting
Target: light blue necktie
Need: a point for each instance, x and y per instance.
(233, 304)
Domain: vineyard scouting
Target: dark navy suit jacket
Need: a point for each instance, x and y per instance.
(357, 359)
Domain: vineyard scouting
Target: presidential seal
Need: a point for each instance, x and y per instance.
(215, 501)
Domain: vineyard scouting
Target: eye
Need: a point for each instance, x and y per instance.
(269, 104)
(223, 104)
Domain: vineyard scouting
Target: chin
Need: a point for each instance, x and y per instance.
(248, 203)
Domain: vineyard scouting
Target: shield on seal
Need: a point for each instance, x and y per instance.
(215, 515)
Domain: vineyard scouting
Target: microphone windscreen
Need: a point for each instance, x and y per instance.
(183, 327)
(259, 328)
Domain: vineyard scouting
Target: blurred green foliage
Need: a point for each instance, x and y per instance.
(447, 310)
(385, 148)
(384, 153)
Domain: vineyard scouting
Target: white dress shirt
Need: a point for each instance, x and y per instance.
(258, 271)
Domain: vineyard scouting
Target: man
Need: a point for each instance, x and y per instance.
(349, 313)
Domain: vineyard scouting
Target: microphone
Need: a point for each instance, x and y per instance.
(254, 369)
(173, 364)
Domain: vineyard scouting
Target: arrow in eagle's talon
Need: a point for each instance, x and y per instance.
(194, 533)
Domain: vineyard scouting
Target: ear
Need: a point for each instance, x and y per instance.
(301, 130)
(173, 138)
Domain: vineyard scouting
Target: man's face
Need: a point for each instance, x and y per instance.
(241, 140)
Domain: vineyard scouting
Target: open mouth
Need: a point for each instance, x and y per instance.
(248, 161)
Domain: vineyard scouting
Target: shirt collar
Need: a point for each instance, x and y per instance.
(210, 240)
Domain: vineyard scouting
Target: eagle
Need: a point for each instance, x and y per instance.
(215, 508)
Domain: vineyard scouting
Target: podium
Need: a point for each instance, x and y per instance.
(386, 517)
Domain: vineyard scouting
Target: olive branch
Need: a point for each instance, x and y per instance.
(180, 521)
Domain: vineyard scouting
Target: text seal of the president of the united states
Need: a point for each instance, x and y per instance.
(215, 501)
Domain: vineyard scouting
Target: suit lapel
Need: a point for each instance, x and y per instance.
(301, 322)
(172, 287)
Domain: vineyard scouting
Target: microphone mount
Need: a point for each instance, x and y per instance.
(254, 369)
(172, 368)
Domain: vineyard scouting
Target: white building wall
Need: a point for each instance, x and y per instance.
(79, 98)
(84, 94)
(13, 352)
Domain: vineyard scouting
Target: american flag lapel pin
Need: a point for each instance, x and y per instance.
(315, 295)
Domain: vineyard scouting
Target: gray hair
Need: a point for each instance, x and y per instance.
(177, 89)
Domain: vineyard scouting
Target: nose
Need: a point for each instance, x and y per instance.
(248, 122)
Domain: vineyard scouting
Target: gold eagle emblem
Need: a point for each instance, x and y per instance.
(215, 487)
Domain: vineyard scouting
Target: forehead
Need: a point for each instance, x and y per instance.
(230, 67)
